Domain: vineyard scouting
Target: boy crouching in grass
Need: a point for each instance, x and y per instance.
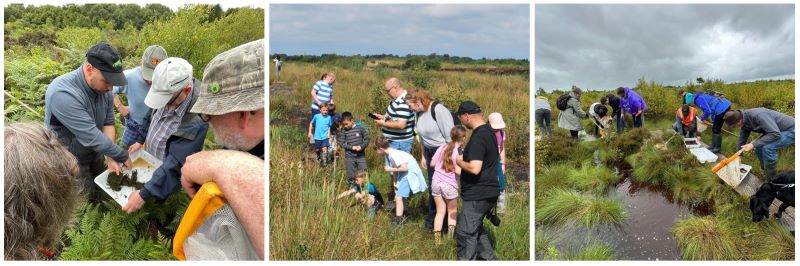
(364, 193)
(353, 139)
(320, 131)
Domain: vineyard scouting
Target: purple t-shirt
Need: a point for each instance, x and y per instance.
(439, 173)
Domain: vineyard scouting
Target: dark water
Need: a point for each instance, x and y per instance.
(648, 233)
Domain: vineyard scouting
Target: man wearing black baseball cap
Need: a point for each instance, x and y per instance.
(79, 108)
(479, 185)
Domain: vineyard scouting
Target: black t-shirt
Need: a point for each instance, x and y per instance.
(482, 146)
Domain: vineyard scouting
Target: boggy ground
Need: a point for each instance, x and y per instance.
(305, 222)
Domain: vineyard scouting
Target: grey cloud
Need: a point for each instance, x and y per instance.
(605, 46)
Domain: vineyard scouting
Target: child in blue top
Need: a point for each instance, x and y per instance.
(372, 198)
(319, 131)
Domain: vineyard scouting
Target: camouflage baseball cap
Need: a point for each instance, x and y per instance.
(233, 81)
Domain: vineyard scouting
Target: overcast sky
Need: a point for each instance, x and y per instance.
(607, 46)
(492, 31)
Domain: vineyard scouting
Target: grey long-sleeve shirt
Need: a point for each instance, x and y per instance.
(355, 136)
(768, 122)
(77, 114)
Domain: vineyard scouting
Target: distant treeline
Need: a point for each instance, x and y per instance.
(432, 61)
(103, 16)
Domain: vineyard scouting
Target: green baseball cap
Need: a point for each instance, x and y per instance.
(153, 55)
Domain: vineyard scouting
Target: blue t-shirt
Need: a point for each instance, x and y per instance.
(321, 126)
(136, 90)
(370, 188)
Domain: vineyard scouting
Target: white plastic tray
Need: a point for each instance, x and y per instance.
(691, 143)
(703, 155)
(144, 163)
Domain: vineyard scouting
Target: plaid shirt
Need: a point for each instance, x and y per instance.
(164, 123)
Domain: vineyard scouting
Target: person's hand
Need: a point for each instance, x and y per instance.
(128, 163)
(387, 169)
(310, 135)
(135, 147)
(748, 147)
(124, 110)
(135, 202)
(357, 148)
(113, 166)
(195, 171)
(638, 112)
(423, 164)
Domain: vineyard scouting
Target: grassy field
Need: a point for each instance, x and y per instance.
(720, 227)
(305, 222)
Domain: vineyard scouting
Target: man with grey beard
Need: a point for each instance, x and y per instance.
(232, 100)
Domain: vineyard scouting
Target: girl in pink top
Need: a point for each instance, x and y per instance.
(444, 185)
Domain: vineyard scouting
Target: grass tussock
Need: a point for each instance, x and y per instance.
(630, 141)
(562, 206)
(589, 178)
(706, 238)
(597, 252)
(560, 148)
(649, 166)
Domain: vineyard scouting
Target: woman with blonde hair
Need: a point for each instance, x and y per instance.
(41, 188)
(434, 122)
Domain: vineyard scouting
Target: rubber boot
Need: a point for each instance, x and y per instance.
(769, 171)
(716, 143)
(437, 237)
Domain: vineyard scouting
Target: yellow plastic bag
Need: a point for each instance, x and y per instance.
(205, 203)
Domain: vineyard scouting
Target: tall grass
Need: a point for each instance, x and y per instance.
(706, 238)
(305, 222)
(563, 206)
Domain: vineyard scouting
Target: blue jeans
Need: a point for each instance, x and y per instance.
(620, 122)
(402, 145)
(638, 121)
(768, 154)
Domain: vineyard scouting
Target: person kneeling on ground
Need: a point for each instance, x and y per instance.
(777, 131)
(365, 193)
(407, 176)
(685, 122)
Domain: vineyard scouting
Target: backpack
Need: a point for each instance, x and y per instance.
(561, 102)
(456, 122)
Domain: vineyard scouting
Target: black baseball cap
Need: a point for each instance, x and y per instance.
(468, 107)
(107, 59)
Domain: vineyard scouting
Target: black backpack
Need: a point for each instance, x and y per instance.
(456, 122)
(561, 102)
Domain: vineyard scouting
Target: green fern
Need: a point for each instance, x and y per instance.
(113, 235)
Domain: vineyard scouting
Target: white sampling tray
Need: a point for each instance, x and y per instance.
(703, 155)
(144, 163)
(691, 143)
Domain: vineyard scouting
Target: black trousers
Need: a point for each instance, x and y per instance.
(472, 240)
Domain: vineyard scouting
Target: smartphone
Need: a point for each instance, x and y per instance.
(460, 150)
(372, 115)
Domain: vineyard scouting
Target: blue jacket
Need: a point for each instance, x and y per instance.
(187, 140)
(711, 105)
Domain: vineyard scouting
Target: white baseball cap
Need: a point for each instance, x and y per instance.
(170, 76)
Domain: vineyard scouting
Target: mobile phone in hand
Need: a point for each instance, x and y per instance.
(373, 116)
